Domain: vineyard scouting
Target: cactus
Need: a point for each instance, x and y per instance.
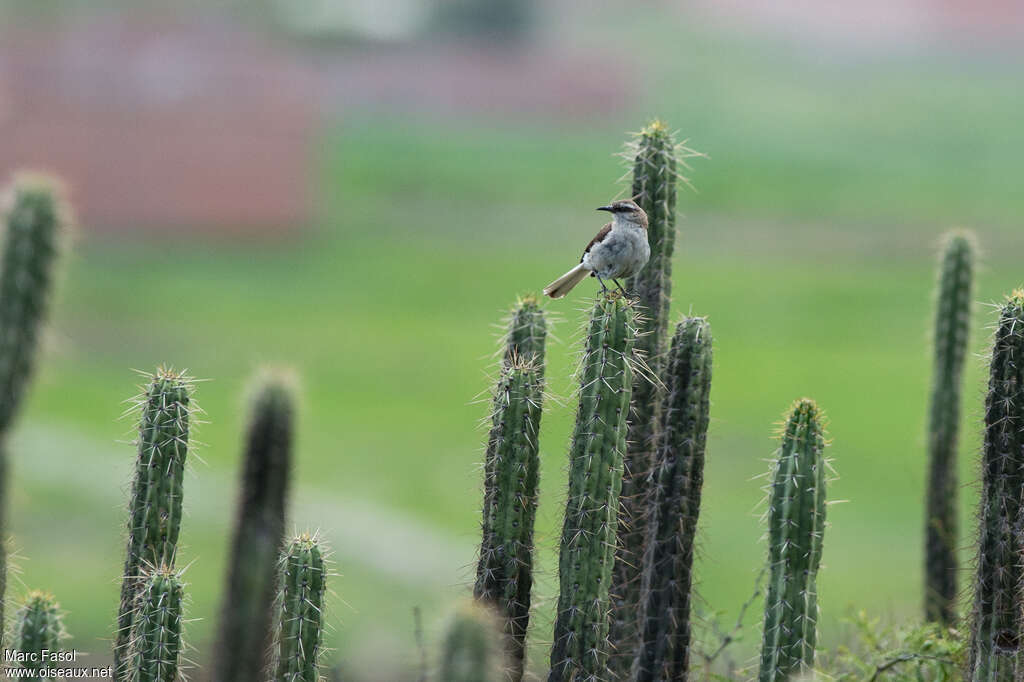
(580, 648)
(247, 609)
(668, 559)
(472, 650)
(655, 157)
(38, 627)
(155, 508)
(996, 626)
(952, 319)
(504, 573)
(156, 628)
(300, 611)
(796, 525)
(36, 220)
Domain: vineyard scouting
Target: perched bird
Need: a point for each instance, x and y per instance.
(620, 249)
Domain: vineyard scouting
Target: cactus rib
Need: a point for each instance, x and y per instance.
(580, 648)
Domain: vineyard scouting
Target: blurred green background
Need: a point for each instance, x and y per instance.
(808, 239)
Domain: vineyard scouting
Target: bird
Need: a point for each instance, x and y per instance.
(620, 249)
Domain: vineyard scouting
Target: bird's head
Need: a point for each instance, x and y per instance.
(626, 211)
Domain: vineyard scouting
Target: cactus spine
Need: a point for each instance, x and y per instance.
(796, 525)
(580, 648)
(654, 160)
(668, 560)
(247, 610)
(472, 650)
(156, 628)
(301, 611)
(511, 468)
(996, 627)
(38, 627)
(36, 220)
(154, 519)
(952, 319)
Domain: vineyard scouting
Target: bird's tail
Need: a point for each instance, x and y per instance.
(564, 284)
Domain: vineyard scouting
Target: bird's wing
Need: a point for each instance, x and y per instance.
(598, 238)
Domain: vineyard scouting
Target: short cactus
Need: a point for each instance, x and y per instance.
(300, 611)
(580, 648)
(36, 220)
(796, 525)
(668, 561)
(504, 573)
(38, 627)
(473, 650)
(996, 627)
(655, 158)
(952, 321)
(247, 610)
(157, 628)
(155, 509)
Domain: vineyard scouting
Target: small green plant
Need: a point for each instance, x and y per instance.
(38, 627)
(952, 321)
(36, 221)
(155, 646)
(796, 529)
(664, 651)
(996, 625)
(580, 648)
(300, 618)
(246, 614)
(473, 650)
(655, 158)
(504, 574)
(154, 519)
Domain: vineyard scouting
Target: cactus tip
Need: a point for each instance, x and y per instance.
(1016, 298)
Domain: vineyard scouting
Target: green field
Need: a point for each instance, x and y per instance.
(809, 244)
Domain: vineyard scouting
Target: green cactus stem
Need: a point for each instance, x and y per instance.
(668, 561)
(952, 322)
(36, 221)
(655, 159)
(154, 519)
(796, 528)
(996, 624)
(38, 627)
(580, 648)
(504, 574)
(301, 611)
(473, 650)
(246, 615)
(157, 628)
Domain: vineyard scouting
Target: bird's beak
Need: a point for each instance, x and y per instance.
(605, 208)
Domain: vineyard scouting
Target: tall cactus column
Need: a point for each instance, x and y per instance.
(654, 189)
(996, 627)
(36, 221)
(580, 648)
(796, 528)
(668, 560)
(300, 623)
(154, 519)
(504, 574)
(952, 321)
(247, 611)
(156, 644)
